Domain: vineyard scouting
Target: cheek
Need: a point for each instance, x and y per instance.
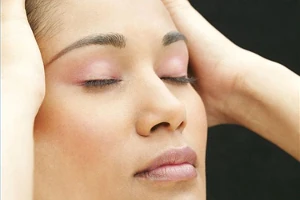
(196, 118)
(196, 132)
(196, 129)
(79, 145)
(82, 133)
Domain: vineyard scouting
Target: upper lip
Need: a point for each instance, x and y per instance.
(175, 156)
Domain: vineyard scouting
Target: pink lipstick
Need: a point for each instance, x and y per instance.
(172, 165)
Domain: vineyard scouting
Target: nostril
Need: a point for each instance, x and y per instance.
(162, 124)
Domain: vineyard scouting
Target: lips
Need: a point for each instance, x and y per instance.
(172, 165)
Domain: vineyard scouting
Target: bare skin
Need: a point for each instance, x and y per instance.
(238, 86)
(21, 61)
(228, 85)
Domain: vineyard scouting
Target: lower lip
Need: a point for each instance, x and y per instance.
(181, 172)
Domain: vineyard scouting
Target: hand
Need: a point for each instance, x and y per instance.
(22, 66)
(238, 86)
(217, 63)
(23, 87)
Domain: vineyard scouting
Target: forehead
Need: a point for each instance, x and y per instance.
(139, 20)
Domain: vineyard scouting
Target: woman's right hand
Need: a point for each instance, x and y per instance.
(22, 66)
(23, 89)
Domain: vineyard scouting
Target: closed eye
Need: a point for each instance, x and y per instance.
(107, 82)
(182, 80)
(100, 82)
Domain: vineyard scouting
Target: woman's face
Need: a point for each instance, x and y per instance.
(115, 101)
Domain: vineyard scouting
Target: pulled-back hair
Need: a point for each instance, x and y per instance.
(41, 16)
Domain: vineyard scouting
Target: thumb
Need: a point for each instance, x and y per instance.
(207, 46)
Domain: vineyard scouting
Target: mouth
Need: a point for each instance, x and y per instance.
(172, 165)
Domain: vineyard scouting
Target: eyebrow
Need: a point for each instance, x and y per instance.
(172, 37)
(113, 39)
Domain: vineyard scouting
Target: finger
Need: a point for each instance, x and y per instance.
(18, 43)
(205, 42)
(12, 9)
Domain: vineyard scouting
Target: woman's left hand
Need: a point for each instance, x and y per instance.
(217, 63)
(238, 86)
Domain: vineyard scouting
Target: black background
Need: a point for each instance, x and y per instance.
(240, 164)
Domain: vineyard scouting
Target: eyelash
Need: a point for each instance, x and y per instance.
(100, 82)
(182, 80)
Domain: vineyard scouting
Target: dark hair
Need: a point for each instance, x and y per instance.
(38, 14)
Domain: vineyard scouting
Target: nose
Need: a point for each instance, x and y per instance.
(160, 110)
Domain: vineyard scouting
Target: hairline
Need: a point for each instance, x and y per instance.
(39, 13)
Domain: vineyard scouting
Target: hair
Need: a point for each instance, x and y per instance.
(39, 13)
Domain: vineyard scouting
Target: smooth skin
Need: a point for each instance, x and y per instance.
(22, 76)
(90, 141)
(238, 86)
(230, 81)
